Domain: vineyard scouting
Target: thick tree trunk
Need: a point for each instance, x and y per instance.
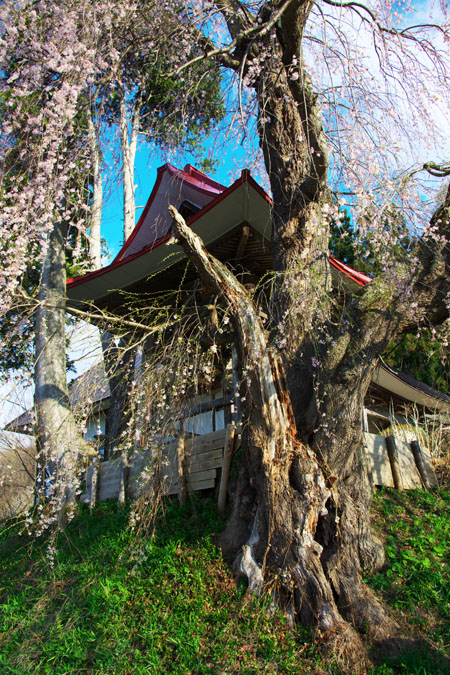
(301, 511)
(60, 442)
(287, 521)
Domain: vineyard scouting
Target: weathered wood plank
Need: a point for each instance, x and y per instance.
(407, 466)
(379, 466)
(202, 465)
(192, 476)
(207, 441)
(377, 460)
(196, 487)
(109, 490)
(428, 462)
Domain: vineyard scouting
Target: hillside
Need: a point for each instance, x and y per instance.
(109, 601)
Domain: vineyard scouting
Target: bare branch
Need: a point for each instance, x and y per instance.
(405, 32)
(255, 32)
(438, 170)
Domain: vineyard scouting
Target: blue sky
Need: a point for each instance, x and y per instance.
(148, 160)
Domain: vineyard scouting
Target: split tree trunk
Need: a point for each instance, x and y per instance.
(285, 519)
(60, 443)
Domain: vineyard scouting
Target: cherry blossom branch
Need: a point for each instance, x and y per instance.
(384, 29)
(259, 31)
(438, 170)
(99, 316)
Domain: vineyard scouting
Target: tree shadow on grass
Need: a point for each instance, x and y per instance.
(410, 657)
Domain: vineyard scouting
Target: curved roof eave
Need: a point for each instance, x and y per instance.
(409, 389)
(243, 201)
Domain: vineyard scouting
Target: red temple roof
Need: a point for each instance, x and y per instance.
(216, 210)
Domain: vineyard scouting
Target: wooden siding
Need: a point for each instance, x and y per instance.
(379, 467)
(204, 457)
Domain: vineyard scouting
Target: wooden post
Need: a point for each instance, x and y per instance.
(393, 460)
(94, 482)
(181, 466)
(365, 420)
(236, 406)
(227, 456)
(124, 472)
(420, 464)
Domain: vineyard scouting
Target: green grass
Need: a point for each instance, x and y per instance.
(113, 603)
(416, 580)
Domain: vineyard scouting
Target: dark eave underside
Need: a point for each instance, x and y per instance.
(255, 261)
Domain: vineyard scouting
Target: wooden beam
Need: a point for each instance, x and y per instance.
(393, 459)
(240, 250)
(207, 406)
(420, 464)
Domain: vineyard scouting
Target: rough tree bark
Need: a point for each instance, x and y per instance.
(60, 443)
(300, 519)
(328, 359)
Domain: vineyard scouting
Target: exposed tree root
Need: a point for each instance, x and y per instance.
(293, 533)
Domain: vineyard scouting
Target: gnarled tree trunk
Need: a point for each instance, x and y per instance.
(301, 513)
(285, 518)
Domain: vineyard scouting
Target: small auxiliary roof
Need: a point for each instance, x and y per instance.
(406, 387)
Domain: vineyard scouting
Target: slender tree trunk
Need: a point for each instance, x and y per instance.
(119, 360)
(97, 197)
(128, 146)
(60, 442)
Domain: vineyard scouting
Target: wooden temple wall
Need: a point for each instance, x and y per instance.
(204, 457)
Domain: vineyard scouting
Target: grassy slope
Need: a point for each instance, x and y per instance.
(114, 604)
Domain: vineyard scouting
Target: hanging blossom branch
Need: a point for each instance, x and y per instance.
(255, 32)
(404, 32)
